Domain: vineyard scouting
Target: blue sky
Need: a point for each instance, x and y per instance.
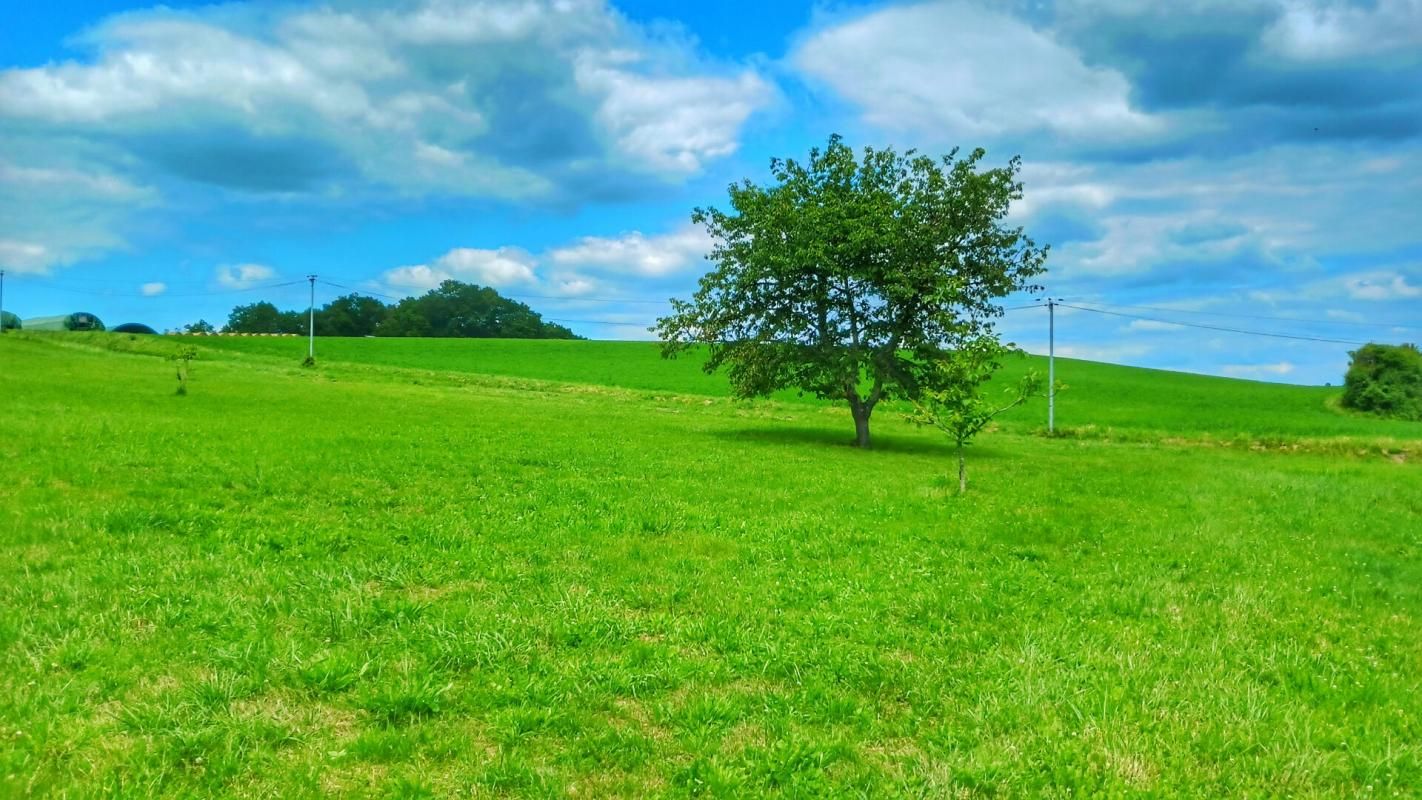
(1252, 164)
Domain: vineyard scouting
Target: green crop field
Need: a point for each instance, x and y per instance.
(483, 569)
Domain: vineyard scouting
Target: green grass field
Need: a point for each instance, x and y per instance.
(483, 569)
(1100, 399)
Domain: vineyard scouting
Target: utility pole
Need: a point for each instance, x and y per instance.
(1051, 365)
(311, 311)
(2, 301)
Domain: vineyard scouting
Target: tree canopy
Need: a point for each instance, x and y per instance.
(263, 317)
(457, 309)
(848, 276)
(1386, 380)
(453, 309)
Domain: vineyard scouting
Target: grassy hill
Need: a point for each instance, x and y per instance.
(1101, 399)
(534, 569)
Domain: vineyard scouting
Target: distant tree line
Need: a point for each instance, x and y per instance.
(453, 310)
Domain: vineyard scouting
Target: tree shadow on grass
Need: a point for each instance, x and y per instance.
(836, 438)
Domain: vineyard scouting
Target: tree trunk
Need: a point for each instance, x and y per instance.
(962, 472)
(861, 425)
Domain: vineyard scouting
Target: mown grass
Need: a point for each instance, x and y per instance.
(359, 580)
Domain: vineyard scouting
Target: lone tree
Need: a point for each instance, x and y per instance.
(954, 402)
(847, 278)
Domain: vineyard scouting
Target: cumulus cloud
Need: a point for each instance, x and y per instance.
(961, 69)
(590, 265)
(153, 289)
(243, 276)
(1309, 31)
(635, 253)
(416, 276)
(557, 102)
(673, 125)
(501, 268)
(1246, 75)
(493, 99)
(505, 266)
(1251, 219)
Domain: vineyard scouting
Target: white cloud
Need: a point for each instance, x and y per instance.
(501, 268)
(1321, 31)
(1276, 370)
(562, 272)
(243, 276)
(572, 285)
(549, 101)
(958, 69)
(636, 253)
(1060, 185)
(72, 181)
(506, 266)
(1380, 285)
(24, 256)
(367, 87)
(674, 125)
(1136, 243)
(153, 289)
(54, 213)
(1290, 207)
(1152, 325)
(418, 276)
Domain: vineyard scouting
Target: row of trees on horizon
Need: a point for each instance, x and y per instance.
(452, 310)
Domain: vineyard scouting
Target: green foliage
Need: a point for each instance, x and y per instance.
(845, 276)
(263, 317)
(184, 358)
(9, 322)
(1386, 380)
(464, 310)
(650, 595)
(952, 398)
(453, 309)
(202, 326)
(351, 315)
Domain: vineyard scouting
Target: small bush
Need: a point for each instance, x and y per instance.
(1385, 379)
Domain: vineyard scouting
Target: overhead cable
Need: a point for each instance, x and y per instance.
(1212, 327)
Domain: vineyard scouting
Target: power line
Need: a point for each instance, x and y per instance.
(213, 293)
(361, 291)
(1213, 327)
(1255, 316)
(597, 322)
